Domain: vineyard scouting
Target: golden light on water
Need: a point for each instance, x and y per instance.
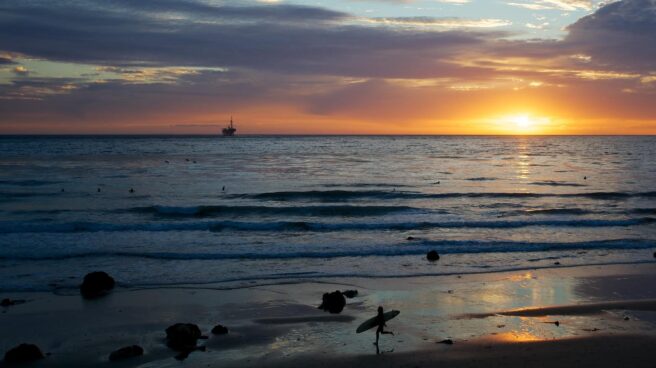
(517, 336)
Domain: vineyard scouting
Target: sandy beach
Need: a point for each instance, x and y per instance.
(606, 317)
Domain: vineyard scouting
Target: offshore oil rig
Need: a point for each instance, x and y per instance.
(230, 130)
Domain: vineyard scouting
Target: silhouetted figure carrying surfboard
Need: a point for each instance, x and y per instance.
(379, 322)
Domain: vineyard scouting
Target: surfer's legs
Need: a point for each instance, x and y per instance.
(377, 336)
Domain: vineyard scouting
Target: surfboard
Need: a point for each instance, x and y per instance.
(371, 322)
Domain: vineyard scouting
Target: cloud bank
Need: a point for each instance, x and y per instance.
(149, 63)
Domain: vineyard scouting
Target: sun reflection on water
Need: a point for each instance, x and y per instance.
(523, 163)
(517, 336)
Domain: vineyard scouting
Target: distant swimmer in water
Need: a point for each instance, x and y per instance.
(167, 161)
(131, 190)
(223, 189)
(380, 321)
(98, 190)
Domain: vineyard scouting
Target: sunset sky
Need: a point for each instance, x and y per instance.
(328, 67)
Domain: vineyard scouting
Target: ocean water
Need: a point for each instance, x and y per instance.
(254, 210)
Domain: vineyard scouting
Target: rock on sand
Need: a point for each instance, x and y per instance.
(23, 353)
(333, 302)
(96, 284)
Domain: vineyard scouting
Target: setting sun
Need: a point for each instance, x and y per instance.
(522, 123)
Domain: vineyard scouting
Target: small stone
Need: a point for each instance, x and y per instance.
(23, 353)
(446, 341)
(126, 352)
(11, 302)
(432, 256)
(220, 330)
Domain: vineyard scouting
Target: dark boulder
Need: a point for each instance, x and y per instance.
(183, 336)
(410, 238)
(96, 284)
(333, 302)
(23, 353)
(432, 256)
(126, 352)
(220, 330)
(446, 342)
(350, 293)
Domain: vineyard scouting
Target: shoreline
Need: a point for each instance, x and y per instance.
(278, 324)
(252, 282)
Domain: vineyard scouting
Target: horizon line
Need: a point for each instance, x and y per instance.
(252, 135)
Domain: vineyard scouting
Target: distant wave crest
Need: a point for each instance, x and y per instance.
(344, 195)
(417, 248)
(8, 227)
(325, 211)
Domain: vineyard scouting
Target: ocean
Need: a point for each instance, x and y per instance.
(158, 211)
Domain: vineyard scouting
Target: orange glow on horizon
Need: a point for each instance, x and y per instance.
(286, 120)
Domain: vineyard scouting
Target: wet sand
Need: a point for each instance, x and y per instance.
(606, 315)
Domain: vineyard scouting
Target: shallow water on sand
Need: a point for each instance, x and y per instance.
(249, 209)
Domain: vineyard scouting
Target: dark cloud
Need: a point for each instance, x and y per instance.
(621, 35)
(317, 45)
(315, 61)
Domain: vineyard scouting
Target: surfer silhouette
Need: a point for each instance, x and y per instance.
(380, 321)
